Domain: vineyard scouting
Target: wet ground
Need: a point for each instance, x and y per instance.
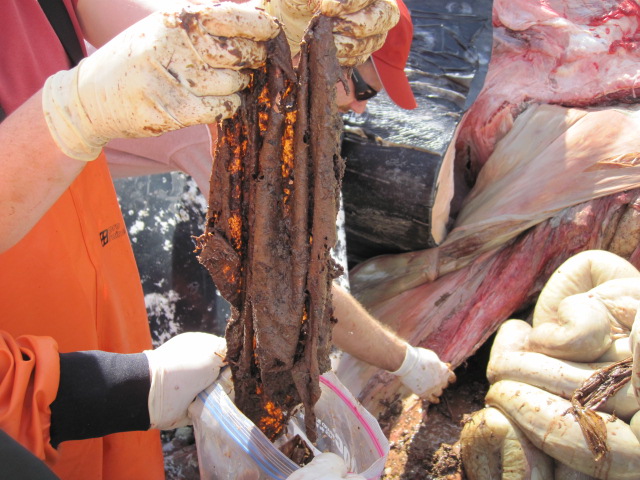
(423, 437)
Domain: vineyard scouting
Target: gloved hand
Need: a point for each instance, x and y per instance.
(326, 466)
(168, 71)
(180, 369)
(360, 26)
(424, 374)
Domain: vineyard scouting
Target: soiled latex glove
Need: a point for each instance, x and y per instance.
(360, 26)
(424, 374)
(180, 369)
(326, 466)
(167, 71)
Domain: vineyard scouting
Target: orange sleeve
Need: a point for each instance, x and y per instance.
(29, 378)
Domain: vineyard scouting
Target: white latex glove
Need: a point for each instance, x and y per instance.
(424, 374)
(326, 466)
(360, 26)
(180, 369)
(168, 71)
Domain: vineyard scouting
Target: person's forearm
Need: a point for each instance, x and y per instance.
(100, 393)
(33, 174)
(362, 336)
(101, 20)
(119, 15)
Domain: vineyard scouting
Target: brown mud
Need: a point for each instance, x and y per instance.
(424, 437)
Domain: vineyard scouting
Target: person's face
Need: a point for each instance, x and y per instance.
(368, 75)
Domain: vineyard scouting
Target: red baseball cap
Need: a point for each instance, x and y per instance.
(391, 59)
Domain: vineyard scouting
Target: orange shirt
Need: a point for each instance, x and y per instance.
(74, 278)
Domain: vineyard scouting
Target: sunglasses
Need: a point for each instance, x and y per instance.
(362, 90)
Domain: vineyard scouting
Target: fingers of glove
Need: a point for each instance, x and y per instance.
(423, 372)
(194, 346)
(355, 51)
(293, 9)
(376, 18)
(155, 77)
(326, 466)
(229, 19)
(452, 376)
(180, 108)
(213, 108)
(201, 80)
(294, 16)
(437, 390)
(180, 369)
(338, 8)
(227, 52)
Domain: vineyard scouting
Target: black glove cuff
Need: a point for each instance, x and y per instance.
(100, 393)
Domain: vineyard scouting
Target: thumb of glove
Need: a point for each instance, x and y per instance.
(180, 369)
(294, 16)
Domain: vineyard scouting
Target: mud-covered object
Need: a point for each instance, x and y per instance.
(162, 212)
(270, 228)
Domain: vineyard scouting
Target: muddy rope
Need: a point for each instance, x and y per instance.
(594, 392)
(270, 227)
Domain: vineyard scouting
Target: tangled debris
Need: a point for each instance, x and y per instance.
(594, 392)
(271, 225)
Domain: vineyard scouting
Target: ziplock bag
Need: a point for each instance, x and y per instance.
(230, 446)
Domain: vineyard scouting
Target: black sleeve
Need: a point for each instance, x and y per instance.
(100, 393)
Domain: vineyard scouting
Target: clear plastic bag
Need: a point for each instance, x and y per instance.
(230, 446)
